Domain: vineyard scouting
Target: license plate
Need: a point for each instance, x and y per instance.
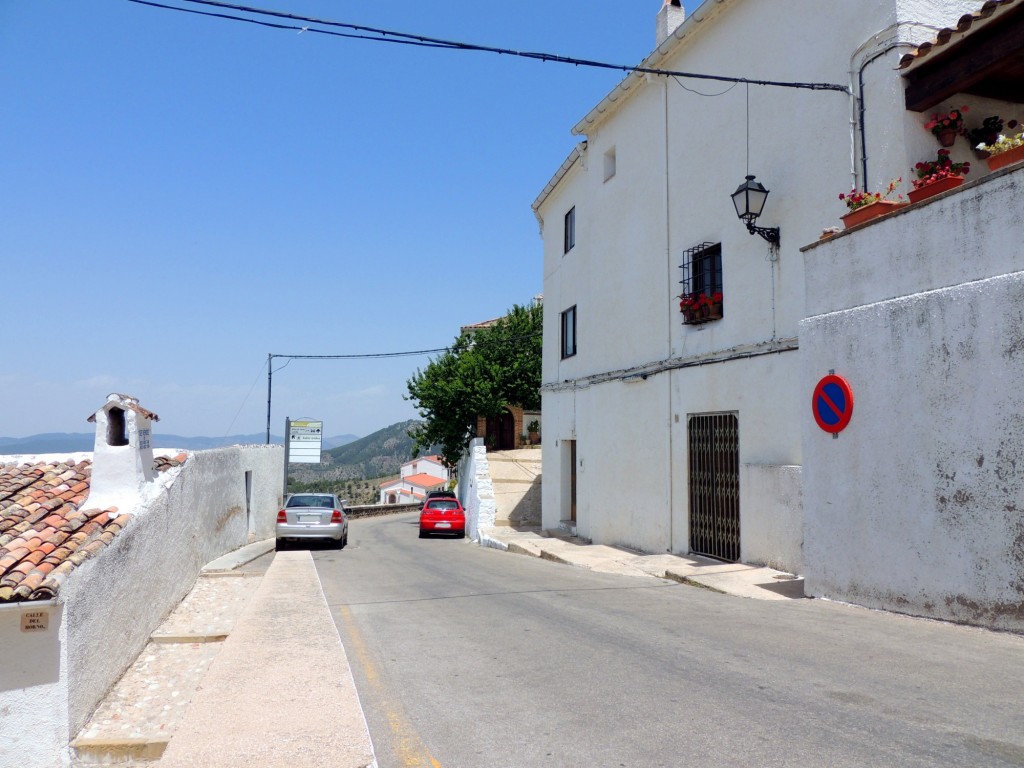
(309, 518)
(442, 525)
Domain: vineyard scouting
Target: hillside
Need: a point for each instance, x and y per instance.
(377, 455)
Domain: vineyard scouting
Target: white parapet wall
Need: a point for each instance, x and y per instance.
(220, 500)
(476, 490)
(916, 505)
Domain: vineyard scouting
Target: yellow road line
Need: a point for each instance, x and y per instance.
(406, 742)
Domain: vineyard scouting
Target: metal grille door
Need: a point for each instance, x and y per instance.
(714, 443)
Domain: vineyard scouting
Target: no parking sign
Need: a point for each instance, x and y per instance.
(832, 403)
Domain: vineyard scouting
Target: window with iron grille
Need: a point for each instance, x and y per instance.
(569, 332)
(701, 300)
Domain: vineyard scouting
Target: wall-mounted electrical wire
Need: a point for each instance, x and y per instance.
(374, 34)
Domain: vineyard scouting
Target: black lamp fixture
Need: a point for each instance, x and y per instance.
(749, 200)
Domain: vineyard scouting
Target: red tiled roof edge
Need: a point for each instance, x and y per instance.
(964, 24)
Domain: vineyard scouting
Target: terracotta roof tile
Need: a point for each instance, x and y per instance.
(966, 23)
(44, 535)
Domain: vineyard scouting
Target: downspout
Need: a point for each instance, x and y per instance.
(861, 109)
(668, 337)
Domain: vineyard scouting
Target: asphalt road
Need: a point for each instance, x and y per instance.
(466, 657)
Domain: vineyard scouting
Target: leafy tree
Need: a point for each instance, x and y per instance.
(481, 374)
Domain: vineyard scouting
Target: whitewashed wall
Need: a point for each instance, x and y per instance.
(114, 601)
(475, 489)
(678, 156)
(917, 506)
(33, 689)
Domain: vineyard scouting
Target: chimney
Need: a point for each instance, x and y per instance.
(671, 15)
(122, 462)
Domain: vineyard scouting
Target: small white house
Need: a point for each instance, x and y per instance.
(417, 478)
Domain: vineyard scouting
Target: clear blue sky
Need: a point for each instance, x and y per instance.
(183, 195)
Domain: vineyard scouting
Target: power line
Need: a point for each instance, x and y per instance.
(375, 34)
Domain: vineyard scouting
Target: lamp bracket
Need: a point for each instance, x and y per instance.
(771, 234)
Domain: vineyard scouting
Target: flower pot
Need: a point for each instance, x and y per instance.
(982, 154)
(947, 138)
(872, 211)
(936, 187)
(1003, 159)
(712, 311)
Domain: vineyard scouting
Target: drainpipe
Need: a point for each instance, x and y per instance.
(861, 109)
(668, 337)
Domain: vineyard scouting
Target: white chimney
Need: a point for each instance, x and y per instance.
(671, 15)
(122, 460)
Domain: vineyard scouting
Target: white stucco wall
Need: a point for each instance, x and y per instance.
(679, 156)
(33, 689)
(774, 535)
(115, 600)
(476, 490)
(917, 506)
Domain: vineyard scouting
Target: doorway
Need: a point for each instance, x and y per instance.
(714, 480)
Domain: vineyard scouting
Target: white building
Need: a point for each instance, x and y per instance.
(416, 478)
(667, 435)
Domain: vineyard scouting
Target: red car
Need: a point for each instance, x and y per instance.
(442, 515)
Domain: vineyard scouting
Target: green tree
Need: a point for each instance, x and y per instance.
(481, 374)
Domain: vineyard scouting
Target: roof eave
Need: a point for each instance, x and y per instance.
(609, 104)
(563, 169)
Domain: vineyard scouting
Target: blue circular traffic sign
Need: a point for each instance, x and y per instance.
(832, 403)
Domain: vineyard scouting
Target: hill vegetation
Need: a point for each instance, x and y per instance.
(354, 471)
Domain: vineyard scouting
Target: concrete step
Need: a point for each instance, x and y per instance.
(135, 721)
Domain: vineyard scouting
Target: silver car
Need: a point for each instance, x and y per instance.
(313, 516)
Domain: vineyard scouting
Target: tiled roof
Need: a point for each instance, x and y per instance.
(163, 463)
(424, 480)
(43, 533)
(129, 402)
(967, 22)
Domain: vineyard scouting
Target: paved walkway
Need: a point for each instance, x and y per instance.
(730, 578)
(229, 679)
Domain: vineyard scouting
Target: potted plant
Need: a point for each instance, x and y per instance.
(1005, 150)
(865, 206)
(938, 175)
(987, 133)
(946, 126)
(699, 307)
(533, 428)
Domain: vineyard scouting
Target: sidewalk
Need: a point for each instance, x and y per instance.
(248, 671)
(729, 578)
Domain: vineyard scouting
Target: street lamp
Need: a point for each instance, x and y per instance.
(749, 200)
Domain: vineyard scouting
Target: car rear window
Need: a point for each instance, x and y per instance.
(443, 504)
(311, 501)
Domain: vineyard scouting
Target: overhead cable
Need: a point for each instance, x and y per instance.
(361, 32)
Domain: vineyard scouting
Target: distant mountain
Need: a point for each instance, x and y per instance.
(377, 455)
(74, 442)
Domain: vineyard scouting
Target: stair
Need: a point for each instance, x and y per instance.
(135, 721)
(516, 476)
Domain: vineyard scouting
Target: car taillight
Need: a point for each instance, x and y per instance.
(282, 517)
(335, 516)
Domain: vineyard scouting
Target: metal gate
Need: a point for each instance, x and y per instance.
(714, 447)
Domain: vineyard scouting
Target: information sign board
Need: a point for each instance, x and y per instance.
(304, 441)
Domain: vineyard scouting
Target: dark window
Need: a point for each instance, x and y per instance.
(117, 428)
(570, 229)
(569, 332)
(701, 300)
